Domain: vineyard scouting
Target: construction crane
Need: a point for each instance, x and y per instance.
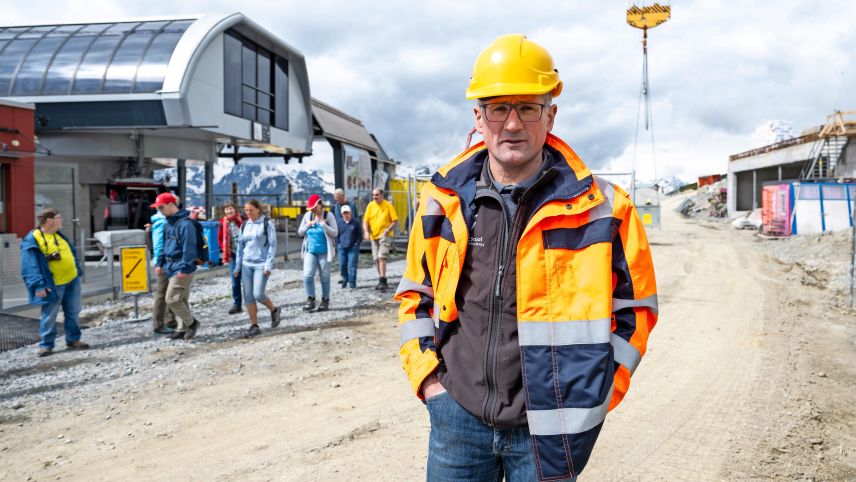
(645, 17)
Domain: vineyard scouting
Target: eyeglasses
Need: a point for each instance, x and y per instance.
(526, 111)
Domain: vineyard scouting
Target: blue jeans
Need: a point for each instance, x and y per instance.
(461, 447)
(312, 263)
(254, 281)
(236, 283)
(348, 264)
(68, 296)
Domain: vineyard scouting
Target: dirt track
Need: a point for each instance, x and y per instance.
(748, 377)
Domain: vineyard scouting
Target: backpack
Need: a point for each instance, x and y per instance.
(264, 227)
(201, 243)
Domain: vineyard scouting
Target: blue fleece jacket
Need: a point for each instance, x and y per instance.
(35, 272)
(179, 245)
(350, 234)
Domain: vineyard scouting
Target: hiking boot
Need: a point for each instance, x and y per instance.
(43, 352)
(235, 309)
(172, 325)
(191, 330)
(164, 330)
(325, 304)
(178, 335)
(378, 285)
(274, 317)
(343, 282)
(254, 331)
(76, 345)
(310, 304)
(382, 284)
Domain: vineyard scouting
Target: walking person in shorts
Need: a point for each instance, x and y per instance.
(378, 224)
(254, 263)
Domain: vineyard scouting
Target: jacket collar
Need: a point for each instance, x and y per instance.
(564, 175)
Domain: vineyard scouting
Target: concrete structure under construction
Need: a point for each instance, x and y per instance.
(822, 152)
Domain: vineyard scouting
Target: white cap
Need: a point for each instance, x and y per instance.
(346, 208)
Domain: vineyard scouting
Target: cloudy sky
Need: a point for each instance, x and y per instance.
(717, 70)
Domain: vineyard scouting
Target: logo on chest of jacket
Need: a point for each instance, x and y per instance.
(476, 241)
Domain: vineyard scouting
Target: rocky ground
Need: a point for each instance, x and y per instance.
(126, 356)
(748, 376)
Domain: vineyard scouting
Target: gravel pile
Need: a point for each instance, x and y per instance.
(708, 203)
(823, 260)
(125, 357)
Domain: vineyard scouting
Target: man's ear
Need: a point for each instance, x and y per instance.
(551, 117)
(479, 120)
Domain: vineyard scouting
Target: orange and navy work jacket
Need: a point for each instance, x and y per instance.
(586, 298)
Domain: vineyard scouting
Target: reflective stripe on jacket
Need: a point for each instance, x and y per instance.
(586, 298)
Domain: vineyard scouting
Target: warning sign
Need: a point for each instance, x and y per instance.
(135, 269)
(647, 219)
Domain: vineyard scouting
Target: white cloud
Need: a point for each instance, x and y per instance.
(718, 69)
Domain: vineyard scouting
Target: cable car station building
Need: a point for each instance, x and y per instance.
(114, 101)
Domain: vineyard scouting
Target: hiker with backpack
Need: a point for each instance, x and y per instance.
(253, 263)
(178, 259)
(319, 229)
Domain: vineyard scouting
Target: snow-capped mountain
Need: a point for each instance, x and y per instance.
(255, 179)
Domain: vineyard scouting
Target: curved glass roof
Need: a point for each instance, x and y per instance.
(102, 58)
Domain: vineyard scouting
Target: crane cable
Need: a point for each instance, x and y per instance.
(645, 92)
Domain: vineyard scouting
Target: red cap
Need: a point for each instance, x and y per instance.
(313, 200)
(164, 198)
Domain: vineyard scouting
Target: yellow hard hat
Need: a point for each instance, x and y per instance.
(513, 65)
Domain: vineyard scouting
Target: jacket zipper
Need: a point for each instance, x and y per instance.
(496, 302)
(493, 327)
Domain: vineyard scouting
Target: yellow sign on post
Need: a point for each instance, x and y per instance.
(647, 219)
(135, 269)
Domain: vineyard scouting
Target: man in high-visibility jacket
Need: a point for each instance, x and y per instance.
(529, 291)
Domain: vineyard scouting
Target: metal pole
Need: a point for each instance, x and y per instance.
(81, 252)
(409, 206)
(136, 305)
(2, 271)
(112, 272)
(852, 247)
(633, 186)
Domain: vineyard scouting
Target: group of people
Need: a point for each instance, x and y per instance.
(248, 245)
(51, 267)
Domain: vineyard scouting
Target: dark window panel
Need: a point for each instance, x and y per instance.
(264, 71)
(13, 32)
(232, 75)
(32, 71)
(248, 62)
(248, 111)
(151, 26)
(61, 71)
(248, 94)
(264, 101)
(64, 30)
(37, 32)
(178, 25)
(123, 68)
(95, 28)
(10, 59)
(265, 117)
(281, 94)
(121, 28)
(152, 71)
(91, 71)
